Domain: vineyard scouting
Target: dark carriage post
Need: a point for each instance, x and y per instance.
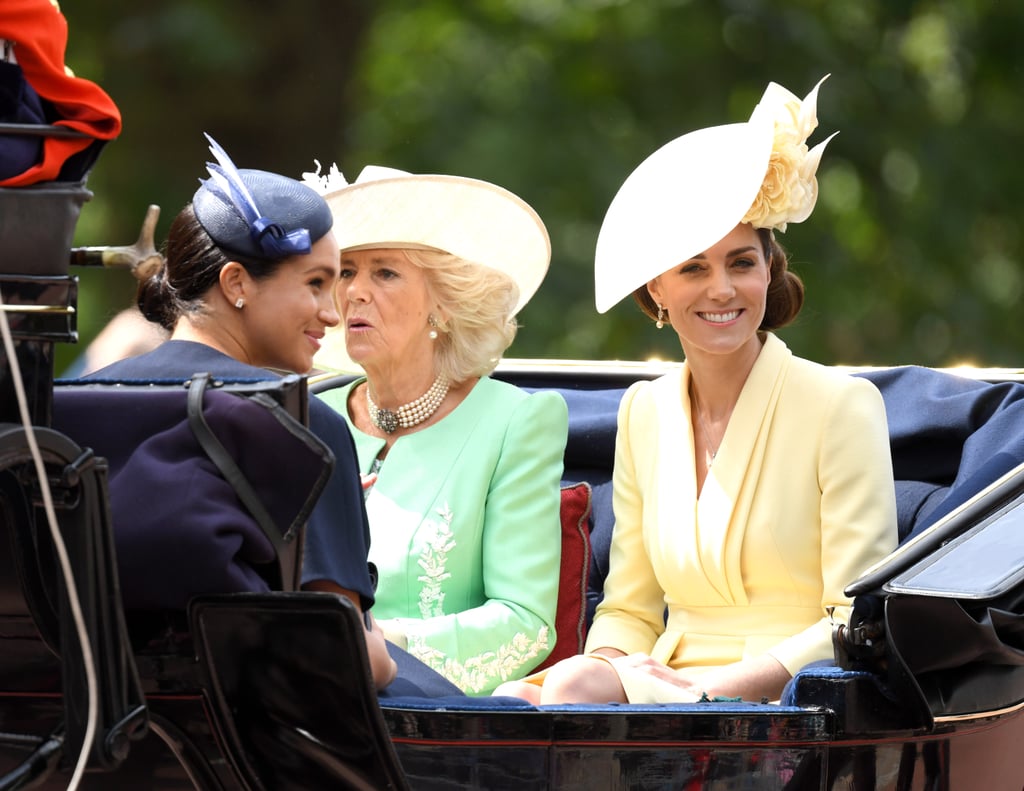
(37, 224)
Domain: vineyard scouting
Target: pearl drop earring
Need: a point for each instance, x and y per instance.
(661, 318)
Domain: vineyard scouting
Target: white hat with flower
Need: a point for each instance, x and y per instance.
(692, 191)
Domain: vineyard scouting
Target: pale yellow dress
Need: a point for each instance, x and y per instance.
(800, 499)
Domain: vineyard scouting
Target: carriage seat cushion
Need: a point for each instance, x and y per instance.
(571, 616)
(950, 437)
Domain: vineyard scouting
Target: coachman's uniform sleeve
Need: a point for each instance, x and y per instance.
(39, 34)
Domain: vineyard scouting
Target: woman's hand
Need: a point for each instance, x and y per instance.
(382, 666)
(676, 678)
(394, 632)
(750, 679)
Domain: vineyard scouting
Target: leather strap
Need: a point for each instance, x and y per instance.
(284, 547)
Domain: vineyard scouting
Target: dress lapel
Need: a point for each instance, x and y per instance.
(725, 503)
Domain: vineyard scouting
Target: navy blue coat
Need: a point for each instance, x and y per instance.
(337, 534)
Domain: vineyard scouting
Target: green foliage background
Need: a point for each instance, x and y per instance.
(912, 256)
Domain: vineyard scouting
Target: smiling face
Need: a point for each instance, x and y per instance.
(286, 314)
(716, 300)
(385, 304)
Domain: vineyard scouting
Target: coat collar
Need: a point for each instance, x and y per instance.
(717, 519)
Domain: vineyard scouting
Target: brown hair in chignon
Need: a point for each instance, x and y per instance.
(192, 264)
(785, 295)
(786, 289)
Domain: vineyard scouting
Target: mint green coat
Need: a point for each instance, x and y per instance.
(465, 532)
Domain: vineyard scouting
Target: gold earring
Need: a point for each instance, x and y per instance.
(661, 318)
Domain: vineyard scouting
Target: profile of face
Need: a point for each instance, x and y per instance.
(385, 303)
(286, 315)
(716, 300)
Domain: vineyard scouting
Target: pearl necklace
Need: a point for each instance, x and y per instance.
(411, 414)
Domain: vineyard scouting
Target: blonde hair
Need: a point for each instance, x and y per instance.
(476, 302)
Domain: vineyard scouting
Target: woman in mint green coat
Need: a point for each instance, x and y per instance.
(462, 471)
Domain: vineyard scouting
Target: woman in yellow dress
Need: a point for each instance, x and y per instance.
(750, 486)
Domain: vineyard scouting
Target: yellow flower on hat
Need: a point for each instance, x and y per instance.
(790, 189)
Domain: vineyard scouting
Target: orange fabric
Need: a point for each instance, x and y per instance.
(40, 33)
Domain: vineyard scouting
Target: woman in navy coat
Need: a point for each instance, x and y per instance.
(246, 291)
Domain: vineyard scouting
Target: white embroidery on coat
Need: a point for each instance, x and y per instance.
(433, 560)
(483, 671)
(476, 673)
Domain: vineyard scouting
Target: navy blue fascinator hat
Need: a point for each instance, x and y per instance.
(257, 214)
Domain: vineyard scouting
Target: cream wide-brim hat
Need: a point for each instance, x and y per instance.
(472, 219)
(680, 201)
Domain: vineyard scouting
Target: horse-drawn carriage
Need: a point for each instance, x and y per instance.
(273, 691)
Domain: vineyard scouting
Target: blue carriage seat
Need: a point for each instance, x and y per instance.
(950, 436)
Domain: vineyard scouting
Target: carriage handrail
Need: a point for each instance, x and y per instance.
(142, 257)
(41, 130)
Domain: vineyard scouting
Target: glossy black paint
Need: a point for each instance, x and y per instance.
(695, 750)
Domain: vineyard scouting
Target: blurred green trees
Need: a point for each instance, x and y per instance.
(914, 254)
